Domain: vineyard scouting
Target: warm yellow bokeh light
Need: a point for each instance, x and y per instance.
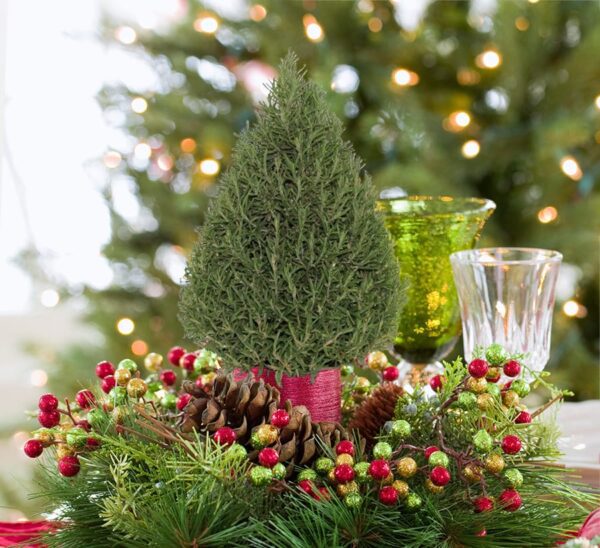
(188, 144)
(470, 149)
(597, 102)
(139, 105)
(126, 35)
(142, 151)
(547, 214)
(209, 166)
(375, 24)
(522, 23)
(49, 298)
(573, 309)
(257, 12)
(404, 77)
(458, 120)
(208, 24)
(165, 162)
(570, 168)
(139, 347)
(312, 29)
(125, 326)
(489, 59)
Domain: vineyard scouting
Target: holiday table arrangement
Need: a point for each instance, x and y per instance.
(286, 426)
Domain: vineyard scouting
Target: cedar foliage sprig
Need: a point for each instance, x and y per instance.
(293, 269)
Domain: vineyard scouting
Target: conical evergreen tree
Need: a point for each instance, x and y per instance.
(294, 269)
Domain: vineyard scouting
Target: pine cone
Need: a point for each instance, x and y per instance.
(375, 411)
(247, 404)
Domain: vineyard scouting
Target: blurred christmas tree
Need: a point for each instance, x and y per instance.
(504, 105)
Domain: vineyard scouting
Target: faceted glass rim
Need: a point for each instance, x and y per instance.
(487, 256)
(437, 206)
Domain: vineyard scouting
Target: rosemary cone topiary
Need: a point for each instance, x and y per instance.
(294, 269)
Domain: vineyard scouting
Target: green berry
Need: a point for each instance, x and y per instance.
(307, 474)
(237, 451)
(323, 465)
(260, 475)
(154, 386)
(362, 471)
(279, 471)
(401, 429)
(495, 354)
(353, 500)
(413, 501)
(128, 364)
(467, 400)
(483, 441)
(95, 416)
(118, 395)
(168, 401)
(513, 477)
(76, 438)
(493, 389)
(206, 361)
(439, 458)
(256, 441)
(346, 370)
(383, 450)
(521, 387)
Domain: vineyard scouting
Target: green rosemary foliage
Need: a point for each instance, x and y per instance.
(293, 269)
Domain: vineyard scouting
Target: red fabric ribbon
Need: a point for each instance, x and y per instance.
(23, 532)
(322, 397)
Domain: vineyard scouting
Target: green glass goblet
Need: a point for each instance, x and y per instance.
(425, 231)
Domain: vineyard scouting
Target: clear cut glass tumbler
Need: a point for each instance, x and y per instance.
(507, 296)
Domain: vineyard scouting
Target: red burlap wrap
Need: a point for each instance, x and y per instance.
(322, 397)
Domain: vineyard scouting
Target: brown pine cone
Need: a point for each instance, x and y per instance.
(246, 405)
(379, 408)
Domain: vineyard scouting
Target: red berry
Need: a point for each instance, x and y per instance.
(483, 504)
(512, 368)
(85, 399)
(523, 418)
(390, 374)
(510, 500)
(225, 436)
(306, 486)
(104, 369)
(436, 382)
(506, 386)
(175, 354)
(183, 400)
(108, 383)
(268, 457)
(439, 476)
(345, 447)
(168, 377)
(388, 495)
(379, 469)
(84, 425)
(33, 448)
(478, 368)
(482, 533)
(69, 466)
(48, 402)
(187, 361)
(511, 444)
(343, 473)
(92, 443)
(431, 449)
(280, 419)
(49, 419)
(199, 383)
(323, 494)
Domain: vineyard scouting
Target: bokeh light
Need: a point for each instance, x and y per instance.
(112, 159)
(314, 32)
(126, 35)
(125, 326)
(38, 377)
(139, 105)
(206, 23)
(570, 167)
(188, 145)
(470, 149)
(257, 12)
(404, 77)
(489, 59)
(139, 347)
(547, 214)
(209, 166)
(49, 298)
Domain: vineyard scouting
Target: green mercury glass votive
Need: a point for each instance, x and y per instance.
(425, 231)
